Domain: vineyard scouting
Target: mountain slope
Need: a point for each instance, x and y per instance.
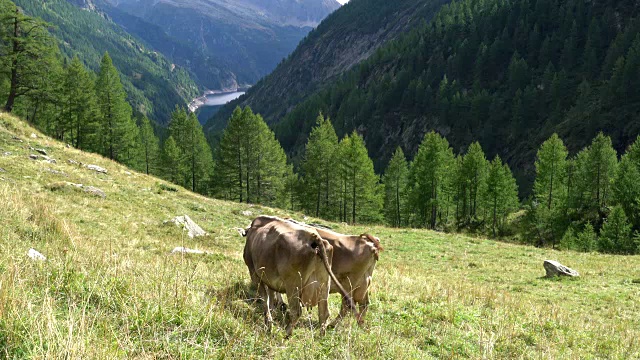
(110, 289)
(249, 37)
(342, 40)
(506, 74)
(154, 85)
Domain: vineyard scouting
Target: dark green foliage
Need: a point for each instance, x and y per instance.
(430, 180)
(501, 196)
(171, 160)
(152, 84)
(251, 166)
(149, 147)
(615, 236)
(117, 135)
(195, 161)
(470, 181)
(586, 240)
(359, 186)
(395, 181)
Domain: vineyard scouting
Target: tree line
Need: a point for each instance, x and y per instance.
(587, 202)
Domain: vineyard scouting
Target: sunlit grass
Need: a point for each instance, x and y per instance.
(110, 288)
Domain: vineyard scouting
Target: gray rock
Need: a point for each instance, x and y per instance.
(73, 162)
(247, 213)
(2, 170)
(43, 158)
(36, 255)
(184, 250)
(42, 151)
(61, 173)
(554, 268)
(33, 136)
(94, 191)
(97, 168)
(6, 153)
(188, 224)
(17, 139)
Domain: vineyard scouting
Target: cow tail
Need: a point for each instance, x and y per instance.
(325, 260)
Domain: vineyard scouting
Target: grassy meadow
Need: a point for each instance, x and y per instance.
(111, 289)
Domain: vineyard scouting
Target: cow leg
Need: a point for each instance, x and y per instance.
(280, 303)
(295, 309)
(323, 314)
(363, 305)
(267, 295)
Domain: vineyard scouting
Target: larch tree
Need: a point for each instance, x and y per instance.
(473, 174)
(79, 105)
(117, 129)
(430, 174)
(501, 196)
(615, 235)
(319, 167)
(149, 146)
(395, 179)
(27, 52)
(362, 197)
(171, 160)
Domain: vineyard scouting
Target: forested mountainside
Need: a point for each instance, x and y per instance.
(505, 73)
(343, 39)
(248, 38)
(153, 84)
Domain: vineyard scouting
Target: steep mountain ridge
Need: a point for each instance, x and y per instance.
(249, 37)
(342, 40)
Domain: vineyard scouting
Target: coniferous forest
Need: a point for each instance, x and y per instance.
(564, 71)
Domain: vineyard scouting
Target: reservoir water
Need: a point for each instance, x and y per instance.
(222, 98)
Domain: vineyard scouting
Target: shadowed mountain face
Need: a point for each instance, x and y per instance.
(225, 43)
(344, 39)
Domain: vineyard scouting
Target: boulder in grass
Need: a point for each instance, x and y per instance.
(554, 268)
(94, 191)
(36, 255)
(43, 158)
(185, 221)
(247, 213)
(97, 168)
(42, 151)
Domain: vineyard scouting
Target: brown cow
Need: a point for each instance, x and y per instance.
(354, 259)
(287, 258)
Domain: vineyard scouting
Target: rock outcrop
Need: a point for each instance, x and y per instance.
(185, 222)
(554, 268)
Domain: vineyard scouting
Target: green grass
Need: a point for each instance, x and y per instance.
(110, 288)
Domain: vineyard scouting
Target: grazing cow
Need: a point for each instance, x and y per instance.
(354, 259)
(283, 257)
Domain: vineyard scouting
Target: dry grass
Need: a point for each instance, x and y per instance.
(110, 288)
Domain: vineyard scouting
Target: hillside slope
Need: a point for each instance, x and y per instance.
(110, 288)
(345, 38)
(153, 84)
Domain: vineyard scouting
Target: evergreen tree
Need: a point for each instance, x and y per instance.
(395, 181)
(318, 166)
(28, 52)
(430, 174)
(587, 239)
(501, 196)
(362, 198)
(171, 160)
(550, 188)
(251, 164)
(472, 180)
(615, 236)
(149, 145)
(117, 129)
(626, 189)
(600, 168)
(79, 106)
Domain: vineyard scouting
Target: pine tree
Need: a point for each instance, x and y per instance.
(362, 200)
(430, 174)
(251, 164)
(472, 179)
(626, 189)
(550, 188)
(615, 235)
(150, 146)
(171, 160)
(501, 197)
(587, 239)
(28, 52)
(318, 167)
(79, 106)
(395, 181)
(600, 169)
(117, 129)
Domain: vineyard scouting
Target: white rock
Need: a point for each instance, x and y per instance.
(554, 268)
(97, 168)
(94, 191)
(184, 250)
(188, 224)
(247, 213)
(72, 162)
(35, 255)
(128, 173)
(34, 136)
